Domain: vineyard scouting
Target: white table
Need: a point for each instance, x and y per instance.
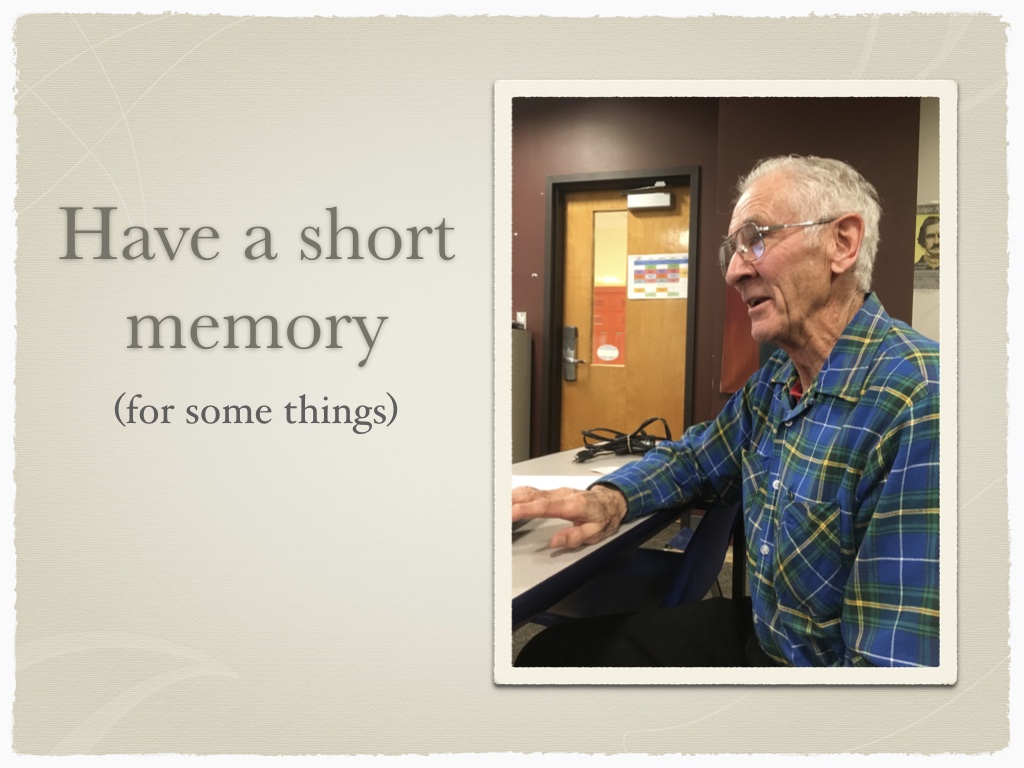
(542, 576)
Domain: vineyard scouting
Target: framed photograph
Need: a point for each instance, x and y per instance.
(556, 259)
(926, 247)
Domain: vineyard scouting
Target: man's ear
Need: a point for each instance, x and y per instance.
(847, 236)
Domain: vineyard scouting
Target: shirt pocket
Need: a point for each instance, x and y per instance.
(810, 571)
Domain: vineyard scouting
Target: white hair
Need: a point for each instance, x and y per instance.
(822, 187)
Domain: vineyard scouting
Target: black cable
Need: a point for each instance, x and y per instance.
(603, 440)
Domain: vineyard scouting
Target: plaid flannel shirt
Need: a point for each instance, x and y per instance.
(840, 496)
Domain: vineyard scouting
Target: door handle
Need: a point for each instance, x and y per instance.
(570, 336)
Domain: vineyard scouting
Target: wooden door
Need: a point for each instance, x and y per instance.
(635, 367)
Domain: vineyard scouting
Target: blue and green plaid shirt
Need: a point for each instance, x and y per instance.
(840, 494)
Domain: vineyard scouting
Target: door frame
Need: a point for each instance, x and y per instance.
(554, 286)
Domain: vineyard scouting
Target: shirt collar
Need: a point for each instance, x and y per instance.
(846, 367)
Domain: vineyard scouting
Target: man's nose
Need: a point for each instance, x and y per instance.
(738, 269)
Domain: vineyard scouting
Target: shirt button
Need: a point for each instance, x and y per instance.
(765, 549)
(777, 484)
(789, 423)
(755, 619)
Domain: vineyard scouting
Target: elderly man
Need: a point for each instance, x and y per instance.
(832, 446)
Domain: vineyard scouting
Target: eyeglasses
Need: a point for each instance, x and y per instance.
(748, 241)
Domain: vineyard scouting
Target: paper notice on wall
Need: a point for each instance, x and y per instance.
(658, 276)
(609, 330)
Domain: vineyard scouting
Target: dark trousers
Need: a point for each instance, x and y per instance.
(711, 633)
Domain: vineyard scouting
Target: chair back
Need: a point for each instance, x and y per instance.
(701, 562)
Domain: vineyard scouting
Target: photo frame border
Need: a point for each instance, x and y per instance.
(504, 92)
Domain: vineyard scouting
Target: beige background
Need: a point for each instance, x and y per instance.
(301, 589)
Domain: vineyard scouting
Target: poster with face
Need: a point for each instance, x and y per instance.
(926, 251)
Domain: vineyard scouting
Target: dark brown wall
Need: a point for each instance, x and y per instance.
(560, 136)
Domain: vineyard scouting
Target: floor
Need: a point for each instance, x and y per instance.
(525, 633)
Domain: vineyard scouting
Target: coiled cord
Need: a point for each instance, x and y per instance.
(603, 440)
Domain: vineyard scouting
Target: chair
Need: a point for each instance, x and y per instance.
(645, 579)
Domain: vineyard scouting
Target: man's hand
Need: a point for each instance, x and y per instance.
(594, 514)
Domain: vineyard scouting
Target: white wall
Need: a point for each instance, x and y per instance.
(926, 300)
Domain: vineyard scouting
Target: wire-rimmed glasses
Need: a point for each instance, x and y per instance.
(748, 240)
